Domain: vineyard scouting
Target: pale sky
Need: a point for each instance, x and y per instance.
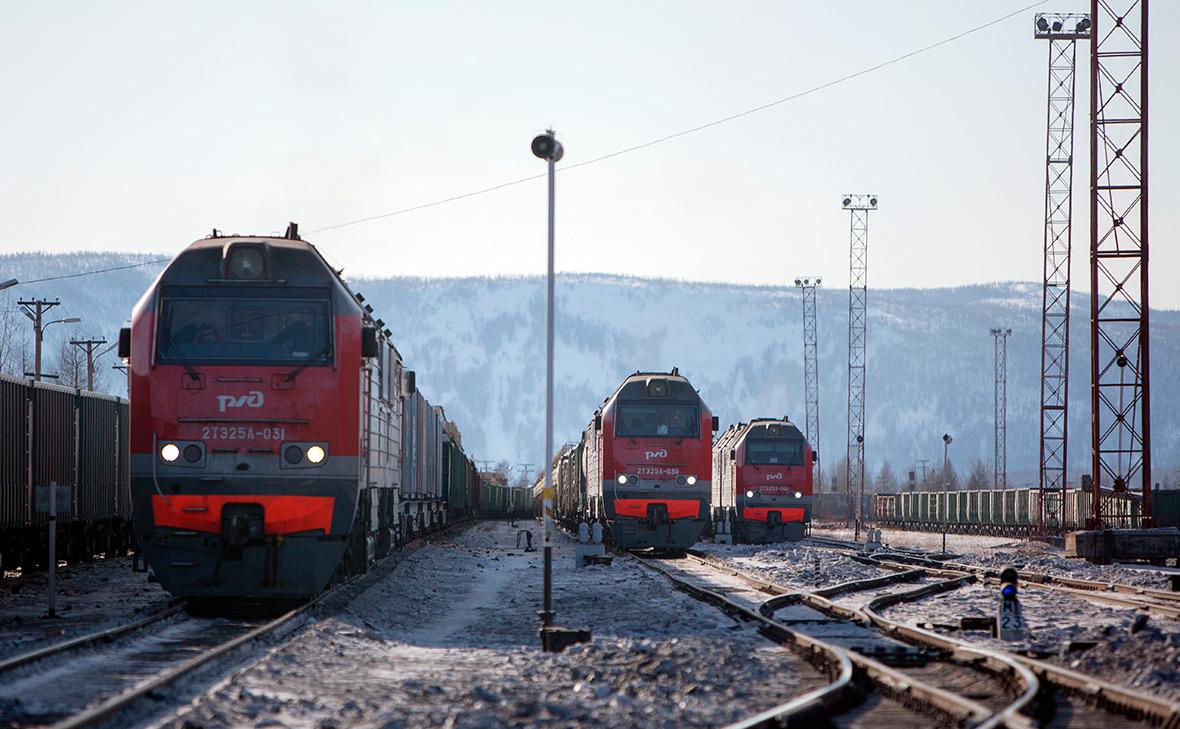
(139, 126)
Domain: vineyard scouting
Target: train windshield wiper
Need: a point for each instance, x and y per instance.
(290, 376)
(174, 348)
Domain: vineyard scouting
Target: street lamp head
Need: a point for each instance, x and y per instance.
(71, 320)
(545, 146)
(8, 284)
(946, 438)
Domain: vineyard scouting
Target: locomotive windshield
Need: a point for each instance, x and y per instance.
(657, 420)
(245, 326)
(774, 452)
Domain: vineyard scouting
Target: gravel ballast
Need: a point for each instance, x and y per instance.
(449, 638)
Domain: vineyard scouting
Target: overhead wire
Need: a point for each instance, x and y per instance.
(690, 130)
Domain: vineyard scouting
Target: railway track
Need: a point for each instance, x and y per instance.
(1064, 698)
(93, 679)
(882, 682)
(1155, 602)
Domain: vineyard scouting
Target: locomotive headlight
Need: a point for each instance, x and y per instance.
(692, 480)
(170, 452)
(749, 494)
(293, 454)
(622, 479)
(246, 262)
(316, 454)
(798, 494)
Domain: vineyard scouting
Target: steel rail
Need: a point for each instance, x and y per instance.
(1096, 691)
(888, 681)
(100, 636)
(115, 704)
(1139, 598)
(1129, 596)
(826, 658)
(1005, 669)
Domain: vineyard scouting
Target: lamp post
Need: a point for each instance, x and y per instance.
(545, 146)
(946, 445)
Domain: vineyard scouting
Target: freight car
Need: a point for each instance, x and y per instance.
(277, 441)
(1013, 512)
(762, 482)
(644, 466)
(77, 439)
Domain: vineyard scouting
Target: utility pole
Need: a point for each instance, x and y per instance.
(88, 346)
(35, 310)
(922, 462)
(811, 367)
(858, 207)
(1000, 475)
(1063, 31)
(526, 469)
(1120, 385)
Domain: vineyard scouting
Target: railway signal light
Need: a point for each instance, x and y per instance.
(1010, 620)
(1008, 581)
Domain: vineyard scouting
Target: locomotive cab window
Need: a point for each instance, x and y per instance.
(774, 452)
(244, 326)
(657, 420)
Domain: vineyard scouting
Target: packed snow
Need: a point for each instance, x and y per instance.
(449, 638)
(791, 564)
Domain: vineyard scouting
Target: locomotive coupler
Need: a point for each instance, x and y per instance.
(241, 524)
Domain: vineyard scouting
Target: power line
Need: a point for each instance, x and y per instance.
(90, 273)
(691, 130)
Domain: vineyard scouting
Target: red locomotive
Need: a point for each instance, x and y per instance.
(762, 474)
(644, 467)
(267, 424)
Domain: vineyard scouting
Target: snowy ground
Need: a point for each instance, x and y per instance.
(1001, 551)
(791, 564)
(90, 597)
(1131, 649)
(448, 638)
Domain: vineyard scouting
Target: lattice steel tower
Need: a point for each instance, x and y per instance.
(811, 367)
(1000, 472)
(859, 207)
(1119, 334)
(1062, 31)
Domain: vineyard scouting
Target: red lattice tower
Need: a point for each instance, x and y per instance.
(1119, 334)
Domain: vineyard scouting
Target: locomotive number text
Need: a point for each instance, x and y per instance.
(657, 471)
(242, 432)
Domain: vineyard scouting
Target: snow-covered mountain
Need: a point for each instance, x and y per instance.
(477, 345)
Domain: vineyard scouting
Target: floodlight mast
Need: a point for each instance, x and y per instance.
(1000, 472)
(859, 207)
(811, 366)
(1062, 30)
(1119, 329)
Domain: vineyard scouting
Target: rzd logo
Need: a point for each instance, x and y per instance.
(252, 399)
(774, 477)
(661, 453)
